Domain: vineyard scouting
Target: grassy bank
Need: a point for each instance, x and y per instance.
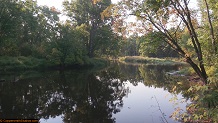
(30, 63)
(149, 61)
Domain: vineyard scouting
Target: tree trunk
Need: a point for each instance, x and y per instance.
(92, 33)
(91, 41)
(91, 44)
(199, 72)
(214, 47)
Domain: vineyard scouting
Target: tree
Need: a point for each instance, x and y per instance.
(208, 9)
(25, 27)
(69, 46)
(87, 12)
(106, 42)
(211, 28)
(161, 16)
(10, 23)
(132, 45)
(152, 45)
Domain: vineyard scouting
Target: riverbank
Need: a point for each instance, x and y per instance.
(150, 61)
(30, 63)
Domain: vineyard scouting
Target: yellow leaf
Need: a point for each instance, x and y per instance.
(174, 88)
(179, 83)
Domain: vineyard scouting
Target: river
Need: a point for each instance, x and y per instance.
(120, 93)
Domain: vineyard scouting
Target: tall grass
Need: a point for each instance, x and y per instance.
(148, 60)
(20, 63)
(27, 63)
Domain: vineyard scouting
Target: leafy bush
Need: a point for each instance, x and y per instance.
(24, 63)
(20, 63)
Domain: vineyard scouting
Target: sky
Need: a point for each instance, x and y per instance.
(50, 3)
(57, 3)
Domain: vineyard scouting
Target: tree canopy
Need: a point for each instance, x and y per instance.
(98, 28)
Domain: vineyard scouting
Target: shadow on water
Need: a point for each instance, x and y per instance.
(77, 95)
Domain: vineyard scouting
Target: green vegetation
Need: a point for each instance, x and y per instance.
(20, 63)
(194, 39)
(149, 60)
(30, 63)
(33, 37)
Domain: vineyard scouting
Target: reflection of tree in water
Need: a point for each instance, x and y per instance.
(130, 72)
(154, 76)
(81, 96)
(102, 95)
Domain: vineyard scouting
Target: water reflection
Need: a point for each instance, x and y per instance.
(84, 96)
(147, 105)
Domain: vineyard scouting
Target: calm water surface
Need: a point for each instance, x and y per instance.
(119, 93)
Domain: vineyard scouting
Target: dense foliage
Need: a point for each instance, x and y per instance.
(27, 29)
(33, 35)
(175, 24)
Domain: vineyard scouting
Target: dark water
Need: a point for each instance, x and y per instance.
(119, 93)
